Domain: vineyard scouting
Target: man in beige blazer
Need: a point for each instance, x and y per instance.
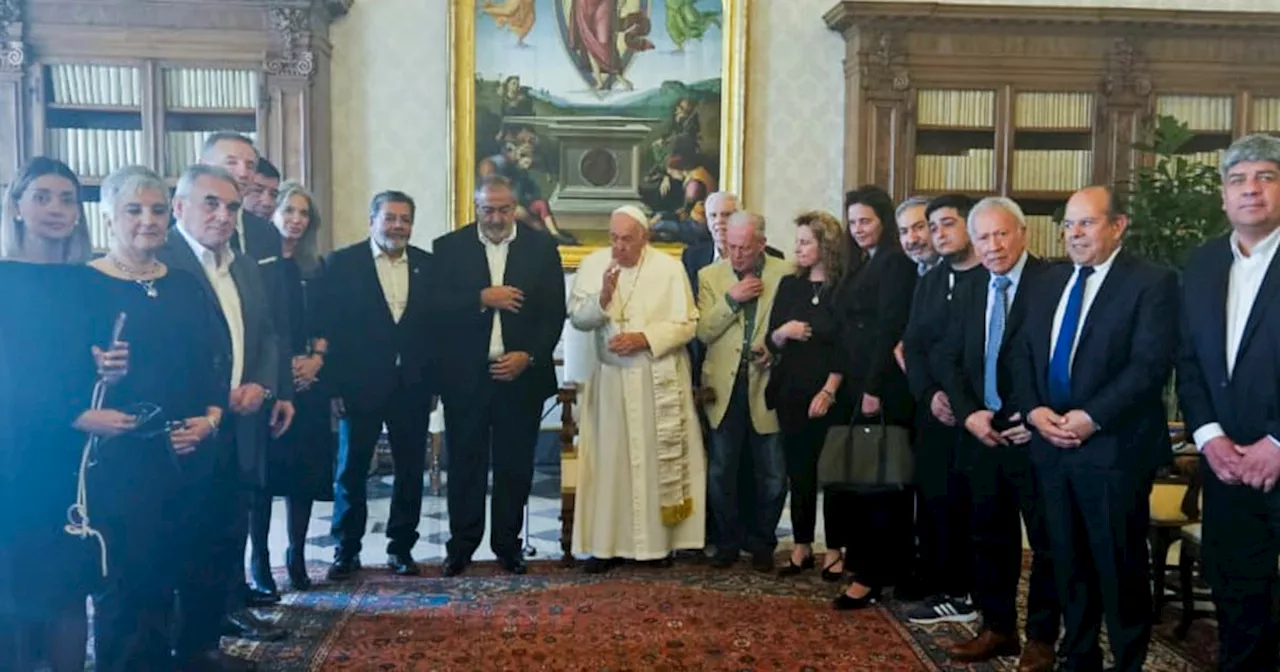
(735, 296)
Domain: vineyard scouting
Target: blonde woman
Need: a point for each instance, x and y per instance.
(300, 462)
(805, 383)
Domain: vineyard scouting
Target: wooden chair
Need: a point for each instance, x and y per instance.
(1175, 504)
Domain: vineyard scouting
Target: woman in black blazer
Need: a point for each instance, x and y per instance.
(872, 305)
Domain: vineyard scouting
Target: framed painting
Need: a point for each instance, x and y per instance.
(588, 105)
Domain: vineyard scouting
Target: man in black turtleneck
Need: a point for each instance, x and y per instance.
(943, 520)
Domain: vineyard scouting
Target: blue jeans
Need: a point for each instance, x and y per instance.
(755, 531)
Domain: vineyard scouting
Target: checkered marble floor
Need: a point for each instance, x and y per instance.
(541, 535)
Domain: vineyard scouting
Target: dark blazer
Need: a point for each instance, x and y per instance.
(262, 356)
(1247, 403)
(931, 311)
(964, 350)
(873, 305)
(461, 273)
(364, 339)
(1123, 361)
(261, 238)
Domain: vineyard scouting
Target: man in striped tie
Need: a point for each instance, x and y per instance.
(1096, 350)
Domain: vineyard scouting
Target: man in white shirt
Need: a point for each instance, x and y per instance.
(254, 235)
(1228, 369)
(1097, 348)
(247, 352)
(381, 336)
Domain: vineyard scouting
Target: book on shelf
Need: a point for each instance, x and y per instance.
(1036, 110)
(1207, 158)
(1266, 115)
(1044, 237)
(94, 152)
(1211, 114)
(99, 234)
(183, 148)
(963, 109)
(970, 171)
(1051, 169)
(96, 85)
(210, 88)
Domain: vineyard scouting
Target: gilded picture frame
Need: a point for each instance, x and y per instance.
(591, 104)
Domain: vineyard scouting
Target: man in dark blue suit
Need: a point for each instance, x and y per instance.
(1229, 388)
(1096, 351)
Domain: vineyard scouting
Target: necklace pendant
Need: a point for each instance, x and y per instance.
(815, 300)
(152, 293)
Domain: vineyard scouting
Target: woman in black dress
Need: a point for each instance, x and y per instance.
(53, 320)
(873, 304)
(804, 384)
(173, 392)
(300, 462)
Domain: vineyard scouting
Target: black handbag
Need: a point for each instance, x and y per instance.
(871, 456)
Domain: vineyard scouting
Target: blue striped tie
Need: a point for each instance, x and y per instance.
(995, 338)
(1060, 364)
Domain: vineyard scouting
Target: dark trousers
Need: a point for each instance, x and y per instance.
(215, 518)
(1097, 519)
(945, 562)
(875, 529)
(1241, 543)
(755, 530)
(1004, 485)
(746, 478)
(406, 417)
(801, 447)
(298, 519)
(498, 426)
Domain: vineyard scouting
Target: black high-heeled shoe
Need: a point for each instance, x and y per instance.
(296, 567)
(793, 569)
(830, 576)
(844, 602)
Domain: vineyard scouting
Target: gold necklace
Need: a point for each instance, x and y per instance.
(622, 310)
(144, 279)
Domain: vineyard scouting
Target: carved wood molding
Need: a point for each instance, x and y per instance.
(338, 8)
(13, 54)
(882, 62)
(291, 33)
(1126, 77)
(849, 14)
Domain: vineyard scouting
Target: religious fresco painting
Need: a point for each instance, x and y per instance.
(587, 105)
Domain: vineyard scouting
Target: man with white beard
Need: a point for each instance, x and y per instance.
(641, 490)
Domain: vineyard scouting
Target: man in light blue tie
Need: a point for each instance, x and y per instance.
(1095, 352)
(987, 316)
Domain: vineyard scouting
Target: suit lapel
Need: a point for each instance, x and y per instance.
(1264, 300)
(1053, 290)
(770, 276)
(374, 288)
(1104, 297)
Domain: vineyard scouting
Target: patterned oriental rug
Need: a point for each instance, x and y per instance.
(689, 617)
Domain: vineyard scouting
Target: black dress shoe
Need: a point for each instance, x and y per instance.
(244, 624)
(296, 567)
(261, 597)
(216, 661)
(403, 564)
(260, 573)
(762, 561)
(845, 603)
(455, 565)
(513, 564)
(595, 565)
(792, 569)
(723, 560)
(343, 569)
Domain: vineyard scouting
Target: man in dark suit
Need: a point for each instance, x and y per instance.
(377, 310)
(720, 206)
(942, 520)
(253, 235)
(1229, 387)
(984, 322)
(247, 352)
(1096, 350)
(499, 288)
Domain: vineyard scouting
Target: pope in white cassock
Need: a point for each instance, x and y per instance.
(641, 487)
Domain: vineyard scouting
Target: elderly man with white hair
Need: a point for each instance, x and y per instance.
(641, 490)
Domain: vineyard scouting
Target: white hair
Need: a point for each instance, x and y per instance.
(129, 181)
(195, 171)
(723, 195)
(746, 217)
(995, 203)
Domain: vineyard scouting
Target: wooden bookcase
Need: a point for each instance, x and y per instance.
(105, 83)
(1035, 102)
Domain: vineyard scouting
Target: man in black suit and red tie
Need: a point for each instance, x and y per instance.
(985, 318)
(380, 348)
(1229, 387)
(498, 296)
(1096, 352)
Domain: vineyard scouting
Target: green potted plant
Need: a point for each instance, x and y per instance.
(1174, 205)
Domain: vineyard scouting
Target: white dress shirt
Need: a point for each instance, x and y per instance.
(393, 275)
(1091, 286)
(1244, 281)
(496, 253)
(228, 294)
(1015, 278)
